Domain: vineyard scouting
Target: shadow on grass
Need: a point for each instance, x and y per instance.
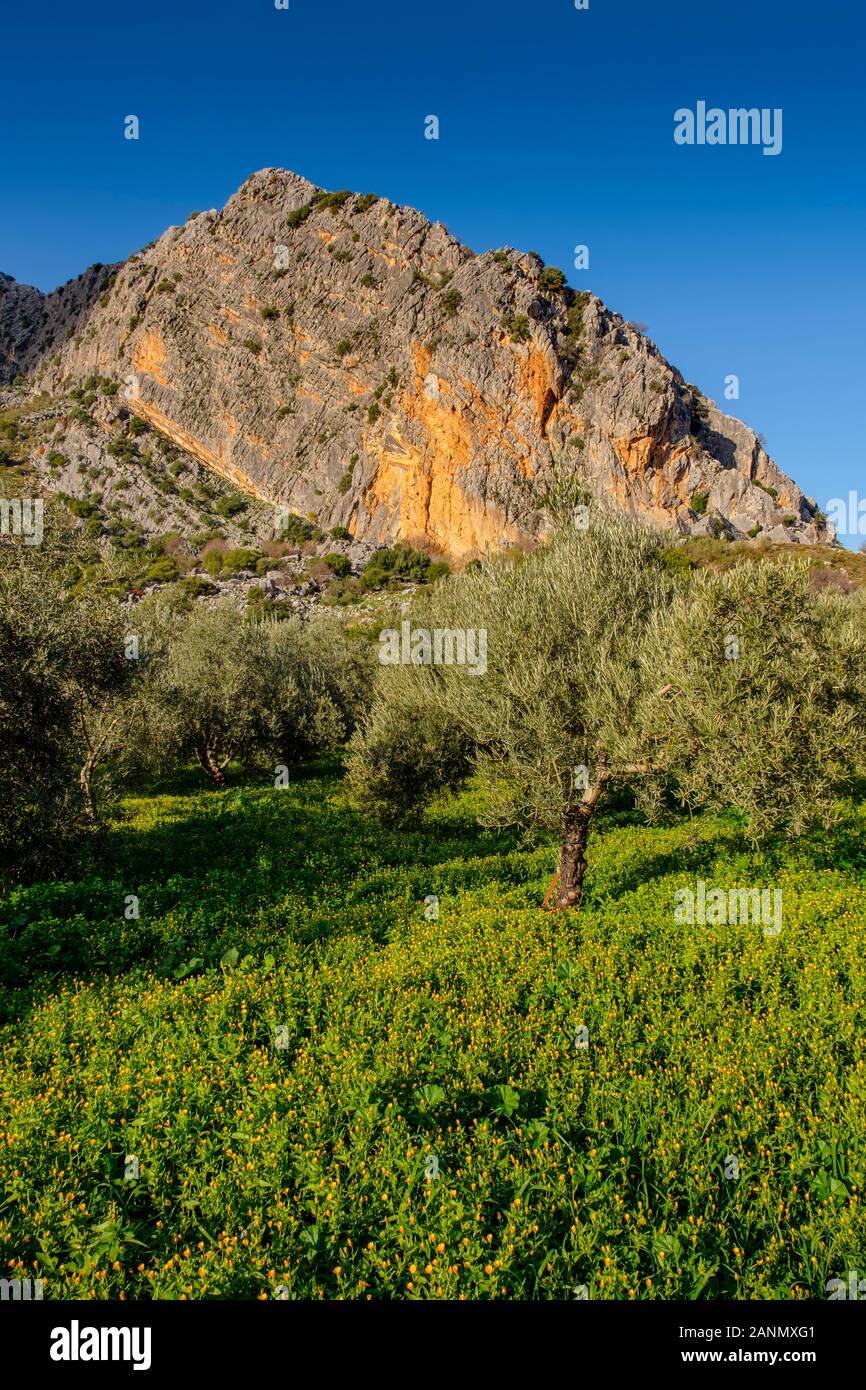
(251, 868)
(718, 846)
(695, 853)
(191, 876)
(303, 843)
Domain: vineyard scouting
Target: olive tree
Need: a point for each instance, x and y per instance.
(754, 696)
(63, 658)
(320, 684)
(233, 690)
(543, 724)
(738, 690)
(111, 722)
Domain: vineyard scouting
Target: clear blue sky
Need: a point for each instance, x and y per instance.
(556, 128)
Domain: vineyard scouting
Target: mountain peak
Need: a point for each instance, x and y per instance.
(339, 355)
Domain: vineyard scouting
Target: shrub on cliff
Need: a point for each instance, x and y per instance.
(451, 301)
(551, 278)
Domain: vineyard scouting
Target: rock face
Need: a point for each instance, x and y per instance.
(339, 355)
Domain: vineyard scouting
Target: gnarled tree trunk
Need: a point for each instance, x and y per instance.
(572, 855)
(213, 768)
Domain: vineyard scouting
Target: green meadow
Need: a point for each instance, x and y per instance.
(327, 1060)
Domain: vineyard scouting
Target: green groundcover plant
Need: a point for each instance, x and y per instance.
(327, 1060)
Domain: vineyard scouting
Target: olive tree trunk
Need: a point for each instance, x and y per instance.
(212, 766)
(570, 873)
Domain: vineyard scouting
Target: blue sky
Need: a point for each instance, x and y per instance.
(556, 128)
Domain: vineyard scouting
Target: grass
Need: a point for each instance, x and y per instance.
(287, 1049)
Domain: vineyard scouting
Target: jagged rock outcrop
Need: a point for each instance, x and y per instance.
(340, 355)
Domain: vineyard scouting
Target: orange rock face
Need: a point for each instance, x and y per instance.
(345, 358)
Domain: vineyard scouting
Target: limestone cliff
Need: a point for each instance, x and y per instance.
(343, 356)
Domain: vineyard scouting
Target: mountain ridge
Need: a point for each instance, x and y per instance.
(342, 357)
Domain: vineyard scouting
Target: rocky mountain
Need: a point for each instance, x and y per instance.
(345, 359)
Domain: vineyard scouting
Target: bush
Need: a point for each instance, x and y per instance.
(574, 317)
(517, 325)
(123, 448)
(164, 570)
(231, 504)
(676, 561)
(299, 529)
(399, 563)
(213, 563)
(82, 507)
(332, 202)
(451, 301)
(241, 558)
(196, 586)
(338, 565)
(261, 609)
(699, 502)
(551, 278)
(298, 215)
